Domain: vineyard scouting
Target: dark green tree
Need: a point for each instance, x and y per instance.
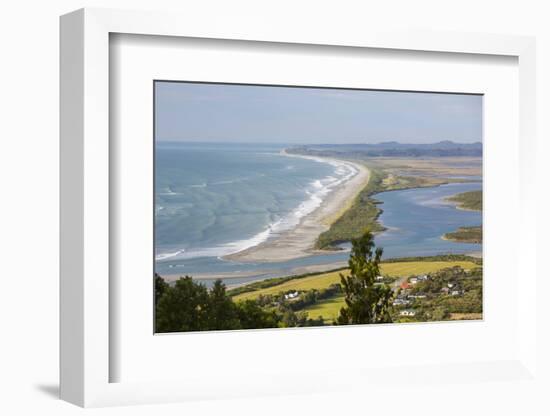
(222, 312)
(366, 301)
(160, 287)
(183, 307)
(289, 319)
(252, 316)
(190, 306)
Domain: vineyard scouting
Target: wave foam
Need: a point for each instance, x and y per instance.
(217, 251)
(168, 192)
(165, 256)
(317, 192)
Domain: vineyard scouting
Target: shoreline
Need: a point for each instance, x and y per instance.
(222, 275)
(300, 241)
(227, 277)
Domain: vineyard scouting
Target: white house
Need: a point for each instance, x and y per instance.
(419, 295)
(291, 295)
(401, 301)
(407, 312)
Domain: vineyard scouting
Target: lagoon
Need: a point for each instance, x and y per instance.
(417, 218)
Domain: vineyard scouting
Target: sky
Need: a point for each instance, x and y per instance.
(194, 112)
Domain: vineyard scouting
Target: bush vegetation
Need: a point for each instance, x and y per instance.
(472, 200)
(466, 235)
(440, 257)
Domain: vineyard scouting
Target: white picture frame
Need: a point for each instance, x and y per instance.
(86, 355)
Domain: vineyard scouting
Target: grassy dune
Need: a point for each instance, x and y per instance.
(466, 235)
(361, 214)
(324, 280)
(472, 200)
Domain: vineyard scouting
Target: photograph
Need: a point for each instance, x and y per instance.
(299, 206)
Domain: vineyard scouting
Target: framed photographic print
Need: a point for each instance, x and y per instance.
(233, 202)
(283, 206)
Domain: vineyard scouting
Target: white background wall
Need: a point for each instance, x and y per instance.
(29, 183)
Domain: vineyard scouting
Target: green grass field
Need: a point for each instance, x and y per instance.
(329, 309)
(324, 280)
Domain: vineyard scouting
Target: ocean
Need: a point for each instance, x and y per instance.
(216, 199)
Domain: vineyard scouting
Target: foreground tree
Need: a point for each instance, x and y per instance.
(160, 288)
(190, 306)
(183, 307)
(222, 312)
(366, 301)
(253, 316)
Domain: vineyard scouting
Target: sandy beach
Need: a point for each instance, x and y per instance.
(299, 241)
(223, 275)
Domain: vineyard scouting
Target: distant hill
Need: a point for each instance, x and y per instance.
(444, 148)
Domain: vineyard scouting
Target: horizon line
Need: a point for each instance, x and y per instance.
(479, 141)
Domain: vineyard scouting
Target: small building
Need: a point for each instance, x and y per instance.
(291, 295)
(379, 278)
(407, 312)
(405, 285)
(413, 280)
(422, 278)
(419, 295)
(445, 290)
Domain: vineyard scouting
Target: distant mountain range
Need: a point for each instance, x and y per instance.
(444, 148)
